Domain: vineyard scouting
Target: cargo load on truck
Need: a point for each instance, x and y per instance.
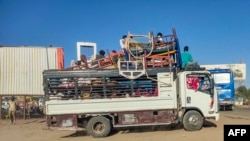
(142, 46)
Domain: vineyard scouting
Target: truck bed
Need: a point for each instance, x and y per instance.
(125, 95)
(59, 107)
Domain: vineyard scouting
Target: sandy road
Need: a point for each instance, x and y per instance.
(36, 130)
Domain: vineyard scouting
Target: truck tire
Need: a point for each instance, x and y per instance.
(192, 121)
(98, 126)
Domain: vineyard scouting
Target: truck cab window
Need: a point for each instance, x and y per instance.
(204, 84)
(198, 82)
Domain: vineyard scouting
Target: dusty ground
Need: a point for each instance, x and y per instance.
(35, 130)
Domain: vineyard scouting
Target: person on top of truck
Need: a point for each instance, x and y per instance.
(187, 60)
(186, 57)
(122, 44)
(98, 56)
(159, 38)
(113, 56)
(113, 53)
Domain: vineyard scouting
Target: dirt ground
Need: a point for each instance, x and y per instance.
(36, 130)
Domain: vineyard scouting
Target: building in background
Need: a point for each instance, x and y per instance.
(21, 69)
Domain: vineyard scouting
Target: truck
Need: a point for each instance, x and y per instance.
(224, 82)
(149, 89)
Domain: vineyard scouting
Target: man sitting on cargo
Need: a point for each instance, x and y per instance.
(113, 56)
(98, 56)
(187, 60)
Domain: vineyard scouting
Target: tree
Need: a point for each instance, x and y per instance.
(248, 91)
(242, 91)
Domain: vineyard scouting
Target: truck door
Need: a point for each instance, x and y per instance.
(199, 93)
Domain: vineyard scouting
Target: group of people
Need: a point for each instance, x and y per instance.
(113, 53)
(159, 40)
(187, 59)
(124, 50)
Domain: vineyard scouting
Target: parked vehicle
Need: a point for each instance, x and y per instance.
(224, 82)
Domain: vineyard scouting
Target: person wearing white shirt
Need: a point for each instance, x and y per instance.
(122, 44)
(159, 37)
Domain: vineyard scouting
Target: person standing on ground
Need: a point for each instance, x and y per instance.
(12, 110)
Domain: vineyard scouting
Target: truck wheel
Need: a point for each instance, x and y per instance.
(98, 126)
(192, 121)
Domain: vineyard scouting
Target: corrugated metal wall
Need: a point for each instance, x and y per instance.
(21, 69)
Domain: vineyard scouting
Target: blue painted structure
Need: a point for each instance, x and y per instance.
(224, 82)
